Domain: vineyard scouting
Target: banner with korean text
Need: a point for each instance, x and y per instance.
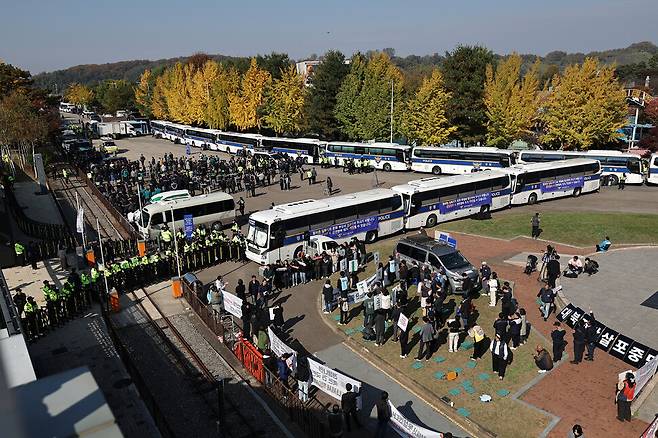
(232, 304)
(330, 381)
(407, 429)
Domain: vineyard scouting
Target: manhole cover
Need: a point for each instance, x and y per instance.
(122, 383)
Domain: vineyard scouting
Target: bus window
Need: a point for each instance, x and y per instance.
(634, 166)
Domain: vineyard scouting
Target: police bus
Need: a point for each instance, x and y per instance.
(280, 232)
(433, 200)
(158, 128)
(216, 209)
(439, 160)
(174, 132)
(384, 156)
(234, 143)
(201, 138)
(307, 148)
(544, 181)
(613, 163)
(652, 173)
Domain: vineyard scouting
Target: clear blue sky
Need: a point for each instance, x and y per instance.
(47, 35)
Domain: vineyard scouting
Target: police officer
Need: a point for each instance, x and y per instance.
(31, 315)
(51, 303)
(166, 236)
(85, 282)
(95, 283)
(19, 249)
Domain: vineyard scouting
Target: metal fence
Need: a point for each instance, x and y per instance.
(308, 416)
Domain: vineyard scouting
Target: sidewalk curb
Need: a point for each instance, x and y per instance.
(473, 428)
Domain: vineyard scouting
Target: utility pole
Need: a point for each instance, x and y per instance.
(391, 110)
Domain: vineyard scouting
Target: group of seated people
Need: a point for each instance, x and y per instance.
(576, 267)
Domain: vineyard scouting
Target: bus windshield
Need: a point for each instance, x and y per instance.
(257, 234)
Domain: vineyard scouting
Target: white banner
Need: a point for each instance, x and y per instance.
(330, 381)
(279, 348)
(80, 221)
(643, 375)
(407, 429)
(232, 304)
(651, 430)
(403, 322)
(362, 287)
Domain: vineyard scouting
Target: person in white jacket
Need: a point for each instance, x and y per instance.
(493, 289)
(499, 356)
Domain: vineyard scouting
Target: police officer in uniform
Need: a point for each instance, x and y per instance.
(31, 315)
(51, 303)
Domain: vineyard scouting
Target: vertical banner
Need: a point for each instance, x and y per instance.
(645, 374)
(188, 225)
(40, 171)
(80, 221)
(232, 304)
(279, 348)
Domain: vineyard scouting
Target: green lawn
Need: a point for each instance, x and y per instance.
(477, 377)
(577, 228)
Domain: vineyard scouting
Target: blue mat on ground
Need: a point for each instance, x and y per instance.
(458, 370)
(484, 376)
(466, 345)
(454, 391)
(416, 365)
(463, 412)
(502, 392)
(349, 332)
(337, 318)
(439, 359)
(439, 375)
(469, 389)
(417, 329)
(471, 364)
(466, 383)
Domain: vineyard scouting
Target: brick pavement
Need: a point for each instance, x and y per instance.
(582, 393)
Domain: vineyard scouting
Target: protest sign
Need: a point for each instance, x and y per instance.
(279, 348)
(330, 381)
(407, 429)
(403, 322)
(232, 304)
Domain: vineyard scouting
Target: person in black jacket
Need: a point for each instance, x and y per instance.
(500, 326)
(578, 343)
(335, 419)
(240, 290)
(254, 287)
(557, 336)
(384, 414)
(348, 405)
(590, 339)
(303, 375)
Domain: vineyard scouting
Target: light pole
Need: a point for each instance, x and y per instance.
(173, 227)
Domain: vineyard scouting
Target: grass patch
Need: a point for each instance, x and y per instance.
(574, 228)
(473, 381)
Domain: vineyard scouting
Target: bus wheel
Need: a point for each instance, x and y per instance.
(532, 199)
(436, 170)
(431, 221)
(613, 180)
(484, 212)
(387, 167)
(217, 226)
(577, 191)
(371, 236)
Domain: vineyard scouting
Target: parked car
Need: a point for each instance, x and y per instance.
(108, 146)
(425, 250)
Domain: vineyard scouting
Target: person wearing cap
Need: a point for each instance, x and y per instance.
(624, 396)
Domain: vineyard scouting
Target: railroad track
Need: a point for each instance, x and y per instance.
(230, 422)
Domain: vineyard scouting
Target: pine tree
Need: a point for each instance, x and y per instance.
(321, 99)
(425, 120)
(511, 101)
(245, 105)
(586, 107)
(285, 102)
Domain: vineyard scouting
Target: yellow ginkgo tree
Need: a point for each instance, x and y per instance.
(285, 103)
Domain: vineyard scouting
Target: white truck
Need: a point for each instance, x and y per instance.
(130, 128)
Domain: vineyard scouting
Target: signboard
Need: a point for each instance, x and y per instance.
(232, 304)
(347, 229)
(403, 322)
(559, 185)
(343, 265)
(378, 301)
(188, 225)
(188, 150)
(406, 429)
(621, 346)
(362, 286)
(636, 354)
(329, 381)
(279, 348)
(608, 336)
(465, 202)
(445, 238)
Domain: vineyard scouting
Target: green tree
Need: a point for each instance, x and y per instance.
(274, 63)
(285, 103)
(511, 101)
(13, 78)
(586, 107)
(321, 99)
(363, 102)
(217, 115)
(115, 95)
(464, 74)
(425, 120)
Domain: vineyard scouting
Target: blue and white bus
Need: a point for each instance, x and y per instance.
(652, 172)
(201, 138)
(234, 143)
(175, 133)
(433, 200)
(384, 156)
(613, 163)
(158, 128)
(307, 148)
(454, 161)
(545, 181)
(279, 233)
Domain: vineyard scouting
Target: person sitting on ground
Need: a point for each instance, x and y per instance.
(543, 359)
(591, 266)
(574, 267)
(604, 245)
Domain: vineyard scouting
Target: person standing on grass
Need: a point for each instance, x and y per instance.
(454, 327)
(499, 356)
(515, 330)
(380, 326)
(404, 341)
(535, 222)
(477, 333)
(557, 336)
(426, 338)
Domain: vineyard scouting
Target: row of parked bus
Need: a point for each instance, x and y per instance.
(394, 157)
(280, 232)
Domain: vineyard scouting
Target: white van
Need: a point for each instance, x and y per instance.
(214, 209)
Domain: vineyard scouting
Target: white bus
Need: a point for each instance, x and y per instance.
(234, 143)
(216, 209)
(433, 200)
(454, 161)
(384, 156)
(66, 107)
(174, 133)
(158, 128)
(201, 138)
(308, 148)
(652, 173)
(543, 181)
(279, 233)
(613, 163)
